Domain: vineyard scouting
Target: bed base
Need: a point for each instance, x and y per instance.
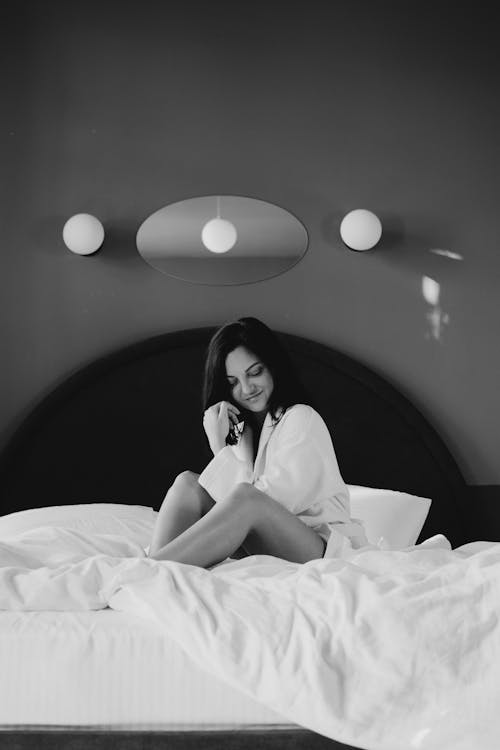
(83, 738)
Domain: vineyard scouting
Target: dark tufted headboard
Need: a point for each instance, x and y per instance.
(123, 427)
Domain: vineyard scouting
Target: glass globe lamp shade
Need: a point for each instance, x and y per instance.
(360, 229)
(83, 234)
(219, 235)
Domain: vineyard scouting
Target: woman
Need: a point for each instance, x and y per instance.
(273, 486)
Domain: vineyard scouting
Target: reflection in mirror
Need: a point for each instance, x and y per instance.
(223, 239)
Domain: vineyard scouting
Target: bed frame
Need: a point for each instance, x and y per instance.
(102, 436)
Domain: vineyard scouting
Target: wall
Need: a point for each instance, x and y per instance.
(119, 108)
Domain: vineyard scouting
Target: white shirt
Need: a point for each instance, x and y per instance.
(296, 465)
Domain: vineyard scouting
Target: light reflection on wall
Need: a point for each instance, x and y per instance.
(436, 317)
(446, 253)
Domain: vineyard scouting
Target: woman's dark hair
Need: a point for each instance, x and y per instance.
(261, 341)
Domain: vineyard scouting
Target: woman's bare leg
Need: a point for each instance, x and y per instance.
(245, 515)
(185, 503)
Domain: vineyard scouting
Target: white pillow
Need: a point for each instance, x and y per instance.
(136, 522)
(392, 519)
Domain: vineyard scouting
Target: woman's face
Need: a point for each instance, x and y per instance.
(250, 382)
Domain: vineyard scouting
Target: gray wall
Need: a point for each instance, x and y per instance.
(119, 108)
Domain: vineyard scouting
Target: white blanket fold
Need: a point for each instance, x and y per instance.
(381, 649)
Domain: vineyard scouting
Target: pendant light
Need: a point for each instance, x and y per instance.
(219, 235)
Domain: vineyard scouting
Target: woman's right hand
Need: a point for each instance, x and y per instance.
(217, 422)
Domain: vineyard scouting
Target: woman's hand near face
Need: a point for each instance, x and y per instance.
(217, 422)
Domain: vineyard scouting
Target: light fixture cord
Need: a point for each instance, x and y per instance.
(218, 206)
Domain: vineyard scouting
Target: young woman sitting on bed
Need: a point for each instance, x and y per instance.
(274, 485)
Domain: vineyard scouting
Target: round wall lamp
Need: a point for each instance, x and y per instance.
(360, 229)
(83, 234)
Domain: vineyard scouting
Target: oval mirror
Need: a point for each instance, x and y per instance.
(224, 239)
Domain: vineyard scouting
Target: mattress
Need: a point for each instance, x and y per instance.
(112, 669)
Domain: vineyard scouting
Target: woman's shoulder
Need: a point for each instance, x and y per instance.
(301, 416)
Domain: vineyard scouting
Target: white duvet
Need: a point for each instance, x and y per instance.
(380, 649)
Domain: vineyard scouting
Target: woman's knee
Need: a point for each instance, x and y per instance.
(188, 491)
(244, 498)
(187, 480)
(183, 486)
(240, 492)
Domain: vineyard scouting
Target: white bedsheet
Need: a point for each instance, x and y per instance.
(110, 669)
(382, 649)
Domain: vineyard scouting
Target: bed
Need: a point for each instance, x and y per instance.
(105, 436)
